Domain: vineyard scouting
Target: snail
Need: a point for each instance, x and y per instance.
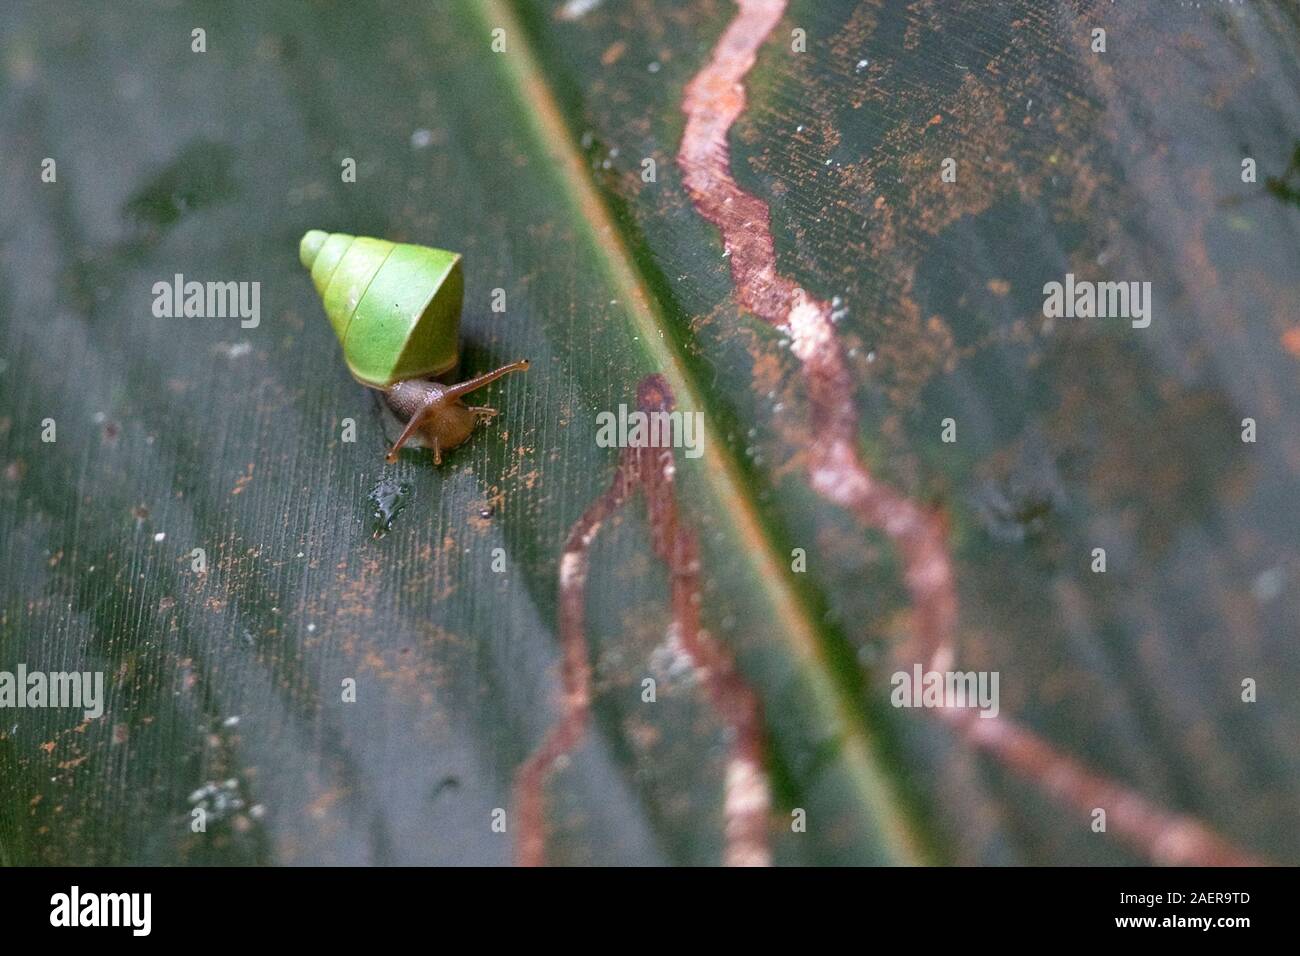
(395, 308)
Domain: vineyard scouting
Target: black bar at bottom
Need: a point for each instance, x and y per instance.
(338, 906)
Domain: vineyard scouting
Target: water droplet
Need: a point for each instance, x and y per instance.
(220, 799)
(389, 497)
(1268, 584)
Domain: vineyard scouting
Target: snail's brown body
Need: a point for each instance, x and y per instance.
(437, 412)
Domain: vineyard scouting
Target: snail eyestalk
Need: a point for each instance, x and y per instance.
(411, 428)
(487, 378)
(437, 412)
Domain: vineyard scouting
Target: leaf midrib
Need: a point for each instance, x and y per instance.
(551, 132)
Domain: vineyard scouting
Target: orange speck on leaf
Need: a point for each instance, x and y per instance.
(1291, 340)
(613, 54)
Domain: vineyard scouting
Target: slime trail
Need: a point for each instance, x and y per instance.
(714, 98)
(652, 471)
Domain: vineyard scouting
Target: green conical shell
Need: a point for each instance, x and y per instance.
(395, 307)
